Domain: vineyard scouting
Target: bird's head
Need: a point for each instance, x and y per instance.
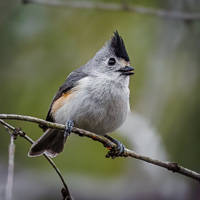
(112, 59)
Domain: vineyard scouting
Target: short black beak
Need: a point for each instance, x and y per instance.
(127, 70)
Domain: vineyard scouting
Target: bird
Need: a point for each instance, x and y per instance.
(94, 97)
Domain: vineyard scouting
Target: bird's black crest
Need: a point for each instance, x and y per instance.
(118, 46)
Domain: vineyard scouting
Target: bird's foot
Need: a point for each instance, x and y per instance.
(69, 126)
(115, 151)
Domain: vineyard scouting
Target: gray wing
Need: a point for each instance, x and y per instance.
(70, 82)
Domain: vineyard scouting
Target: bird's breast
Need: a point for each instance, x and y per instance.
(104, 106)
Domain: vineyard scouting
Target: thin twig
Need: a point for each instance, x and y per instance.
(22, 134)
(9, 185)
(174, 167)
(118, 7)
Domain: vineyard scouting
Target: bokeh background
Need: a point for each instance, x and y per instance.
(41, 45)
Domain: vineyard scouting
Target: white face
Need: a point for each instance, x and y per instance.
(114, 67)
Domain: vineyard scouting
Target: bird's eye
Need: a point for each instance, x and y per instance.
(111, 61)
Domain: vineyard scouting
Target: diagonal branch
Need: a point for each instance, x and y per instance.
(118, 7)
(174, 167)
(65, 191)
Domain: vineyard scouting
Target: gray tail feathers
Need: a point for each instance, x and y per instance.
(51, 142)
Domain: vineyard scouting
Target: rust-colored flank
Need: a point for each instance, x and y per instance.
(60, 102)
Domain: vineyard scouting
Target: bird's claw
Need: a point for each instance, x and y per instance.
(69, 126)
(116, 151)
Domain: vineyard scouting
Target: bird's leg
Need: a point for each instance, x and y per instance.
(69, 126)
(115, 152)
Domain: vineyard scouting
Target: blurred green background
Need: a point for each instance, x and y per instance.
(40, 45)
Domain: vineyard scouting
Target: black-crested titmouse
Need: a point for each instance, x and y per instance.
(94, 97)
